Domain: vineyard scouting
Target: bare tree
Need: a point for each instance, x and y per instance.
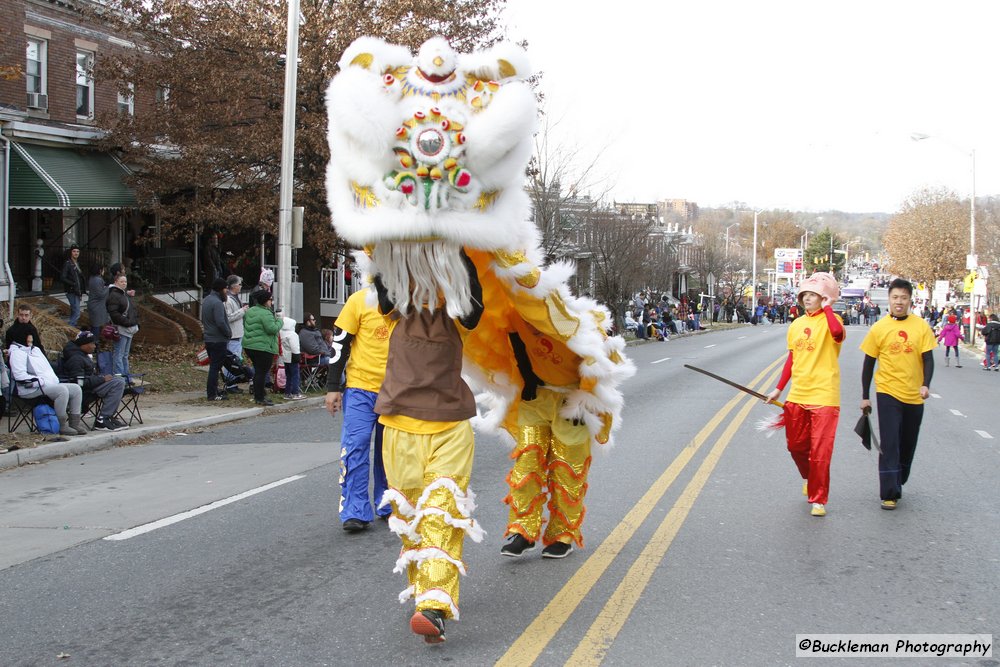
(620, 249)
(565, 188)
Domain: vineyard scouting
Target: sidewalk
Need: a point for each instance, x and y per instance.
(161, 413)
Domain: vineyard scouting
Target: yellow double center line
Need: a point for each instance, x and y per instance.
(602, 632)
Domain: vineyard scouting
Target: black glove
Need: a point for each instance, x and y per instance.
(476, 289)
(385, 304)
(531, 381)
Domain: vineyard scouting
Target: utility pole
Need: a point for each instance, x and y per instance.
(284, 277)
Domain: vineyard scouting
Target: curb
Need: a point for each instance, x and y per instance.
(98, 441)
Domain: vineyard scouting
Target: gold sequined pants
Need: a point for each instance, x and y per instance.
(551, 461)
(428, 477)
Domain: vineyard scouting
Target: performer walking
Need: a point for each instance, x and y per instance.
(903, 345)
(425, 407)
(551, 458)
(812, 410)
(361, 344)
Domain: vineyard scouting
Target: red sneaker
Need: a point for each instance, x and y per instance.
(430, 624)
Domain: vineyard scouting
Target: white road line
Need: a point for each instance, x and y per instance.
(148, 527)
(984, 434)
(708, 346)
(956, 413)
(936, 395)
(740, 337)
(660, 361)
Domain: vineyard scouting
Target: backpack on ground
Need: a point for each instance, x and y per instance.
(46, 420)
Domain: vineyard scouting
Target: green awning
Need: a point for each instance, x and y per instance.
(48, 177)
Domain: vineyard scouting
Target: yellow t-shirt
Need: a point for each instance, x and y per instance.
(898, 346)
(815, 365)
(370, 347)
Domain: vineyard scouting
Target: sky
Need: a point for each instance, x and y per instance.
(805, 105)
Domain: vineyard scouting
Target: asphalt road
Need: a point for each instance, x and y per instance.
(699, 546)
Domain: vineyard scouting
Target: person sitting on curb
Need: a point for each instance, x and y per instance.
(78, 367)
(34, 377)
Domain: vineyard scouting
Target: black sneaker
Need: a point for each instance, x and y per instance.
(101, 424)
(115, 424)
(429, 624)
(516, 545)
(218, 397)
(355, 525)
(266, 402)
(557, 550)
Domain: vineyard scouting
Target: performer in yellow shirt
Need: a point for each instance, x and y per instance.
(902, 344)
(361, 344)
(813, 406)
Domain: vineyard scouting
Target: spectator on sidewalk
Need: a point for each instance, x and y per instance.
(328, 340)
(73, 282)
(291, 355)
(217, 335)
(78, 367)
(260, 340)
(311, 340)
(97, 299)
(991, 336)
(212, 259)
(236, 310)
(23, 327)
(640, 316)
(631, 324)
(34, 376)
(125, 315)
(264, 283)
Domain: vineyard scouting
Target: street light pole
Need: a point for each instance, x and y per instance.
(753, 271)
(284, 276)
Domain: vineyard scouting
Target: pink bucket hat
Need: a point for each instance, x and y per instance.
(821, 283)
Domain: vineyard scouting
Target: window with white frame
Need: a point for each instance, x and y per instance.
(36, 64)
(84, 84)
(126, 101)
(162, 94)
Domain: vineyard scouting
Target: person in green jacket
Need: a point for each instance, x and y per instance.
(260, 340)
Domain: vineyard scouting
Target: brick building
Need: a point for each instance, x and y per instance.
(56, 187)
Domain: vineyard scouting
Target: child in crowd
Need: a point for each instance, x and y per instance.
(951, 333)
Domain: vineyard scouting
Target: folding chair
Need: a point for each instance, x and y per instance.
(312, 374)
(133, 390)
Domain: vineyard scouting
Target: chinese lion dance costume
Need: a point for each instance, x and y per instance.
(428, 159)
